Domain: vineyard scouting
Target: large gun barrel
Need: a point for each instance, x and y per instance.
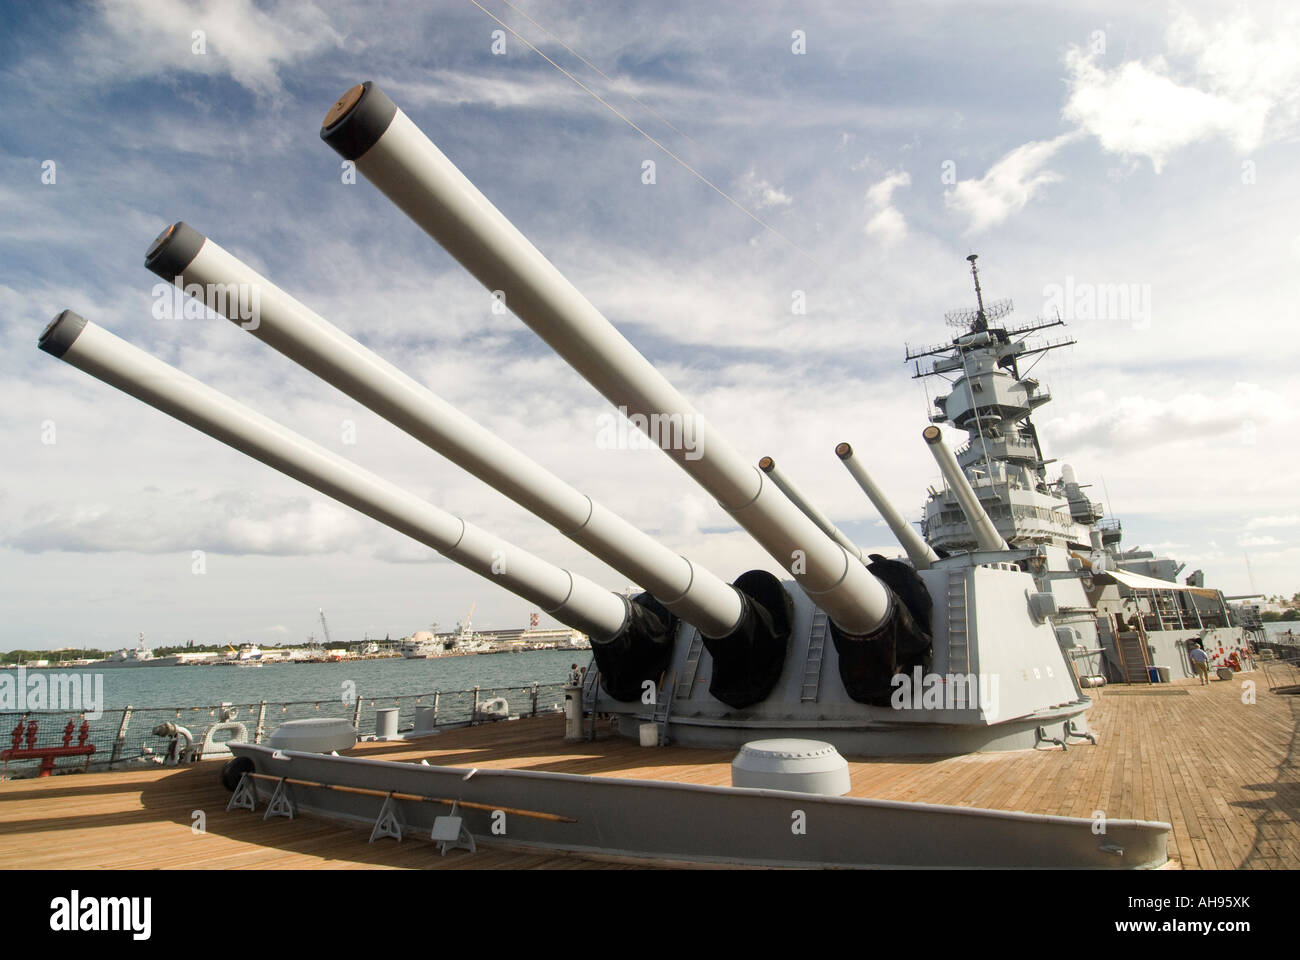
(365, 126)
(185, 257)
(570, 598)
(986, 534)
(918, 551)
(787, 486)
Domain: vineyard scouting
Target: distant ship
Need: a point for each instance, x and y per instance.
(141, 656)
(425, 644)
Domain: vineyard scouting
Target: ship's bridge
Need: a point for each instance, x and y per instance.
(1013, 448)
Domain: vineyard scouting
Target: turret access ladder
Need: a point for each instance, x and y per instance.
(1133, 658)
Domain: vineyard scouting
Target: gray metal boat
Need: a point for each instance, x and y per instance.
(141, 656)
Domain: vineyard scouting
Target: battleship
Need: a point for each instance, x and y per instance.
(984, 634)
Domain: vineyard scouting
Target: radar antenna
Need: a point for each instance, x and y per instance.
(978, 319)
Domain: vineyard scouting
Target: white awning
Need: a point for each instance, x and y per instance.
(1139, 581)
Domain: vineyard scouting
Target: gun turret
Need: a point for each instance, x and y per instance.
(366, 127)
(986, 535)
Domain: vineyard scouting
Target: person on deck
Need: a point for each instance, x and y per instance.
(1200, 662)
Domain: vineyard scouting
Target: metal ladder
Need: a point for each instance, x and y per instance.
(590, 690)
(662, 708)
(958, 638)
(685, 686)
(812, 664)
(1133, 657)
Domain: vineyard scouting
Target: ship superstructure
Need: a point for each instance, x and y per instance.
(1119, 613)
(992, 401)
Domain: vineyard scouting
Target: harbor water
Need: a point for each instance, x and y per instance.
(184, 687)
(131, 714)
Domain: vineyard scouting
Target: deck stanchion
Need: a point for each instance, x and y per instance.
(119, 745)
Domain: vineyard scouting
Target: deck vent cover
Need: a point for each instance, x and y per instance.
(801, 766)
(315, 735)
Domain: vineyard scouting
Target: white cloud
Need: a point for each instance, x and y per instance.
(1137, 109)
(1139, 421)
(886, 223)
(460, 88)
(1009, 184)
(762, 194)
(1260, 542)
(1242, 84)
(249, 44)
(1269, 523)
(226, 523)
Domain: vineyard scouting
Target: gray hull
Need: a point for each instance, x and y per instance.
(115, 664)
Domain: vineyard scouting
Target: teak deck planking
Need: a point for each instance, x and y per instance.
(1233, 800)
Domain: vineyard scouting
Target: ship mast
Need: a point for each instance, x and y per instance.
(992, 399)
(981, 321)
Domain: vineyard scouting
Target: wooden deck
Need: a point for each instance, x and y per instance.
(1233, 798)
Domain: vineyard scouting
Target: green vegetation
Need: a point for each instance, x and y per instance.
(22, 656)
(11, 657)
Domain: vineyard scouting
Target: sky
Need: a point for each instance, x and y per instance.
(820, 173)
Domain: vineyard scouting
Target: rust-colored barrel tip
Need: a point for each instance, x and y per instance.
(174, 250)
(160, 240)
(766, 464)
(343, 105)
(843, 451)
(932, 434)
(357, 120)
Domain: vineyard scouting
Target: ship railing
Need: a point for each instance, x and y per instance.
(124, 736)
(1282, 670)
(1005, 446)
